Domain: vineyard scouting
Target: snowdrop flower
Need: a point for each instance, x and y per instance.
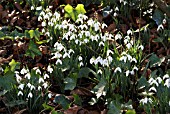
(57, 55)
(152, 81)
(20, 93)
(126, 41)
(59, 46)
(46, 76)
(104, 25)
(79, 20)
(24, 71)
(81, 64)
(135, 68)
(92, 60)
(165, 76)
(49, 69)
(105, 62)
(18, 78)
(80, 58)
(38, 71)
(133, 59)
(123, 58)
(21, 86)
(57, 15)
(129, 45)
(90, 22)
(82, 16)
(66, 55)
(49, 95)
(108, 52)
(159, 79)
(101, 44)
(28, 76)
(117, 69)
(116, 9)
(96, 26)
(39, 88)
(86, 40)
(167, 83)
(45, 85)
(70, 51)
(115, 14)
(39, 8)
(129, 57)
(58, 61)
(29, 85)
(141, 47)
(32, 8)
(129, 32)
(132, 72)
(146, 100)
(32, 87)
(160, 27)
(39, 18)
(43, 24)
(87, 33)
(127, 73)
(99, 71)
(118, 36)
(110, 59)
(41, 80)
(153, 89)
(30, 95)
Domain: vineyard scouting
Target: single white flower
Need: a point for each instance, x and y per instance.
(38, 71)
(80, 58)
(58, 61)
(127, 73)
(41, 80)
(135, 68)
(108, 52)
(160, 27)
(153, 89)
(167, 83)
(132, 72)
(118, 36)
(141, 47)
(117, 69)
(24, 71)
(123, 58)
(110, 59)
(129, 45)
(129, 32)
(20, 93)
(29, 85)
(32, 87)
(90, 22)
(18, 78)
(116, 9)
(66, 55)
(39, 8)
(30, 95)
(46, 76)
(28, 76)
(49, 95)
(39, 88)
(146, 100)
(49, 69)
(45, 85)
(104, 25)
(159, 79)
(92, 60)
(43, 24)
(21, 86)
(101, 44)
(86, 40)
(99, 71)
(81, 64)
(165, 76)
(96, 26)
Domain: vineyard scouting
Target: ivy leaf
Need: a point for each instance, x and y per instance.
(32, 50)
(14, 65)
(158, 16)
(80, 9)
(68, 8)
(70, 83)
(156, 61)
(84, 72)
(131, 112)
(63, 101)
(34, 34)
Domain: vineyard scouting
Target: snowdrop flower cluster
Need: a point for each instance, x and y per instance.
(146, 101)
(26, 86)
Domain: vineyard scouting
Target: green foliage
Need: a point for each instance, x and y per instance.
(33, 50)
(63, 101)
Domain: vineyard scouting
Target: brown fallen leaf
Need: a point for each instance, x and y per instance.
(72, 110)
(94, 112)
(1, 7)
(13, 20)
(111, 27)
(17, 5)
(82, 91)
(104, 111)
(3, 52)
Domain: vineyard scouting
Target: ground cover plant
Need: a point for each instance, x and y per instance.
(84, 57)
